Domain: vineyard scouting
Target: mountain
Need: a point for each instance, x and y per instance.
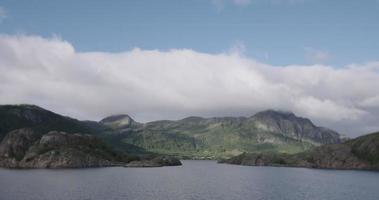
(359, 153)
(191, 137)
(32, 137)
(294, 127)
(21, 116)
(197, 137)
(26, 148)
(42, 121)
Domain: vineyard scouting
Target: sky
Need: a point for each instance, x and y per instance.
(171, 59)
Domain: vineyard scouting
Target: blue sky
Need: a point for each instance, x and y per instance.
(172, 59)
(278, 32)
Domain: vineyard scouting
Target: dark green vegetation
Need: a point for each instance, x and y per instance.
(20, 116)
(212, 138)
(32, 137)
(359, 153)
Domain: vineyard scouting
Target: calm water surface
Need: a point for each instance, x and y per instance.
(194, 180)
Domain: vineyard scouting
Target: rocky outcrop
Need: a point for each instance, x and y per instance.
(16, 143)
(25, 148)
(359, 153)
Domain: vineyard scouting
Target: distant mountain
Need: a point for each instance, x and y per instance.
(267, 131)
(359, 153)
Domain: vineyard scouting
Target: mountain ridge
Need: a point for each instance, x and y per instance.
(190, 137)
(264, 131)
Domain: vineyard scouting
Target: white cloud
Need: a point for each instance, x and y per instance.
(153, 84)
(3, 14)
(371, 102)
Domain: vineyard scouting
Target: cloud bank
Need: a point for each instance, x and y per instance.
(153, 84)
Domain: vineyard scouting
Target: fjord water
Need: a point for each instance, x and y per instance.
(194, 180)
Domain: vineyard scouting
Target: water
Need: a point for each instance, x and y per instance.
(194, 180)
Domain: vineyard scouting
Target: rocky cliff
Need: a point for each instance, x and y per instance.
(25, 148)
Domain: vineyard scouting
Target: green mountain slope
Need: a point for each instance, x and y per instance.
(359, 153)
(196, 137)
(30, 116)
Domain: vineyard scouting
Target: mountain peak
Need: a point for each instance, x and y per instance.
(271, 112)
(290, 125)
(192, 118)
(118, 121)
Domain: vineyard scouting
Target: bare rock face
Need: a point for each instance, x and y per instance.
(16, 143)
(290, 125)
(24, 148)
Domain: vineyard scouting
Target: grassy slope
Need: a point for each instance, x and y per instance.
(194, 137)
(366, 147)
